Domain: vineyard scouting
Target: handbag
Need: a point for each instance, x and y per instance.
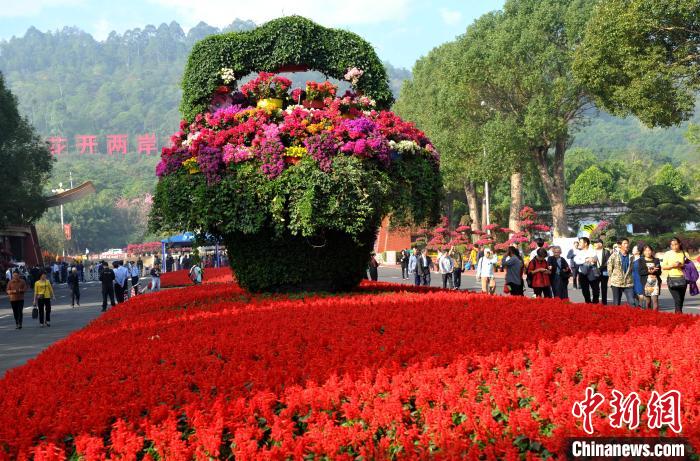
(35, 312)
(676, 282)
(593, 273)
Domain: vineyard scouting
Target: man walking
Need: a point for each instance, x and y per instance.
(107, 277)
(458, 268)
(446, 266)
(572, 264)
(121, 275)
(74, 287)
(620, 269)
(404, 264)
(588, 269)
(155, 278)
(603, 255)
(135, 273)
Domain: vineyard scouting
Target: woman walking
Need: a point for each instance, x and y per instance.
(649, 278)
(674, 260)
(513, 265)
(485, 272)
(15, 291)
(540, 271)
(43, 292)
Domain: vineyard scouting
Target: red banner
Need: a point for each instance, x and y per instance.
(67, 231)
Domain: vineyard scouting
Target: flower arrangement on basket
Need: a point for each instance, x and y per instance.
(322, 175)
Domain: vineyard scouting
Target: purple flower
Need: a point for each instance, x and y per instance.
(322, 148)
(170, 163)
(359, 128)
(211, 163)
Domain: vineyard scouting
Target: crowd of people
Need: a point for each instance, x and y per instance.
(630, 271)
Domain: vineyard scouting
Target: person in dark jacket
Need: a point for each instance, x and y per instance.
(404, 264)
(560, 273)
(74, 287)
(373, 267)
(107, 279)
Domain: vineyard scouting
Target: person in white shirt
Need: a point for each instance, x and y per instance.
(485, 271)
(446, 265)
(588, 264)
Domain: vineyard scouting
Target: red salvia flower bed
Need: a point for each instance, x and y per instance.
(181, 278)
(210, 372)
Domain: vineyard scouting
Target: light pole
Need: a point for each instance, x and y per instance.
(60, 190)
(486, 187)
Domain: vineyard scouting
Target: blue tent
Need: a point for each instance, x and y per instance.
(186, 239)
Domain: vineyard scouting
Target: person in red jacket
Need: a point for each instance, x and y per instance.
(540, 271)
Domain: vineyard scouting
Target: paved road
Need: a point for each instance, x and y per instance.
(18, 346)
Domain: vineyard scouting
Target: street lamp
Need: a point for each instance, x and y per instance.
(60, 190)
(486, 185)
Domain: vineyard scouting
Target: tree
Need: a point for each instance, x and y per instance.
(592, 186)
(26, 164)
(658, 210)
(641, 57)
(433, 102)
(671, 177)
(520, 61)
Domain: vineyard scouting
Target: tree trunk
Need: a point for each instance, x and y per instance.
(554, 184)
(473, 203)
(516, 201)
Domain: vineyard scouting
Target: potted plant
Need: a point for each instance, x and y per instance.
(269, 90)
(317, 93)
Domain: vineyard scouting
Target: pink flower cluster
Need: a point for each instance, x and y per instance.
(240, 132)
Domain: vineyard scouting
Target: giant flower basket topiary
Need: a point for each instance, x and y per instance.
(295, 181)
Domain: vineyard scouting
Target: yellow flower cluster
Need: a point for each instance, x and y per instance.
(295, 151)
(191, 165)
(316, 128)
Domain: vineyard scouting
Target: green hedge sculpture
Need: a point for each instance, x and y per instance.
(285, 42)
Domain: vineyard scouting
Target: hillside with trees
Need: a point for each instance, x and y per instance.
(68, 84)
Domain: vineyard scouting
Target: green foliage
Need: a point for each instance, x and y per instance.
(640, 57)
(592, 186)
(291, 217)
(291, 40)
(659, 209)
(331, 261)
(26, 164)
(673, 178)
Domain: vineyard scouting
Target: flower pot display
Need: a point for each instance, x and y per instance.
(297, 193)
(313, 104)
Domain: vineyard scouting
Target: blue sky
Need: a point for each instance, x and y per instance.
(401, 30)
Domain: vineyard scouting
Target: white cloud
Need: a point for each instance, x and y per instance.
(450, 17)
(331, 13)
(25, 8)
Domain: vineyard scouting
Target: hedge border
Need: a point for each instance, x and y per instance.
(283, 42)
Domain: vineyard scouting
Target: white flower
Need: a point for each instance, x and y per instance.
(353, 75)
(227, 75)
